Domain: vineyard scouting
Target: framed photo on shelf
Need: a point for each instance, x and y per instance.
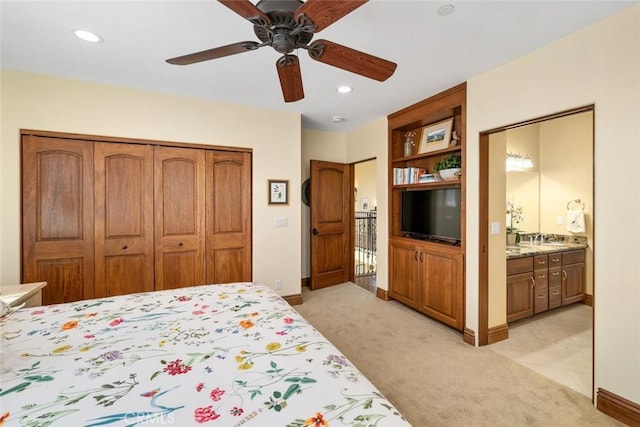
(278, 192)
(436, 136)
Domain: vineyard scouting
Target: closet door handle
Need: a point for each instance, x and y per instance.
(180, 244)
(315, 231)
(125, 247)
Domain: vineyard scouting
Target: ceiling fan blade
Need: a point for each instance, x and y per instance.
(248, 11)
(352, 60)
(218, 52)
(324, 13)
(290, 78)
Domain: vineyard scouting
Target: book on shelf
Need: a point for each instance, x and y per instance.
(411, 175)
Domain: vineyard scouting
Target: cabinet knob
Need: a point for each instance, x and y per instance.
(125, 247)
(180, 244)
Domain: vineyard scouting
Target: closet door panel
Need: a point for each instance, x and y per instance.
(179, 200)
(228, 217)
(124, 218)
(57, 217)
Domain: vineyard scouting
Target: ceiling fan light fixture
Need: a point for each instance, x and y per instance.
(88, 36)
(344, 89)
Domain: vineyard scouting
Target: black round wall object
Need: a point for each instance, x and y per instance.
(306, 192)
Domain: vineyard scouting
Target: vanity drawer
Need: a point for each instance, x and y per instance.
(541, 279)
(519, 265)
(555, 296)
(555, 260)
(555, 276)
(573, 257)
(540, 262)
(540, 301)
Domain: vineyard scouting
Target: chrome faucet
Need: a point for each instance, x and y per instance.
(539, 235)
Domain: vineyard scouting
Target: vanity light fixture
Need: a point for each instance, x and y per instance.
(88, 36)
(517, 161)
(344, 89)
(337, 119)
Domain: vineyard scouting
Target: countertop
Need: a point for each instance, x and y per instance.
(524, 249)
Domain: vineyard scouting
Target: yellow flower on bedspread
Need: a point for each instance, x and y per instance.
(61, 349)
(273, 346)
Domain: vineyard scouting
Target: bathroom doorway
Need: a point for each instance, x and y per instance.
(547, 342)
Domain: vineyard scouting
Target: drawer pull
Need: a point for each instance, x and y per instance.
(541, 276)
(555, 293)
(555, 259)
(556, 273)
(542, 262)
(540, 296)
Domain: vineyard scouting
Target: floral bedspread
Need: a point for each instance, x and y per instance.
(219, 355)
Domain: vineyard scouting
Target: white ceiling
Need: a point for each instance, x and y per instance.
(432, 52)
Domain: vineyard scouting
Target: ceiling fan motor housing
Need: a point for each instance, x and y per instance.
(278, 32)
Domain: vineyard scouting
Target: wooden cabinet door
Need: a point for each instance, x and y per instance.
(405, 273)
(179, 201)
(572, 283)
(57, 217)
(442, 288)
(519, 296)
(228, 217)
(123, 178)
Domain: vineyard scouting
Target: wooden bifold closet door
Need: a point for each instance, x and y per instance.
(110, 218)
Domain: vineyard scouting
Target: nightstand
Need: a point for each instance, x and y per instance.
(29, 293)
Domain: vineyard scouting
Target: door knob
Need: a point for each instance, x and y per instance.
(315, 232)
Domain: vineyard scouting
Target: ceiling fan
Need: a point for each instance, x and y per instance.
(286, 25)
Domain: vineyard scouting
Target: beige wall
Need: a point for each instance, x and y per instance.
(497, 242)
(31, 101)
(365, 181)
(317, 145)
(368, 142)
(598, 65)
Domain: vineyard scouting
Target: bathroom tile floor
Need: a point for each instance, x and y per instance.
(556, 344)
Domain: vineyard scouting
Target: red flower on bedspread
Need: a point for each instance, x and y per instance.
(202, 415)
(176, 367)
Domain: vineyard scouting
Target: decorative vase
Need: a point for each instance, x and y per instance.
(407, 147)
(511, 239)
(452, 174)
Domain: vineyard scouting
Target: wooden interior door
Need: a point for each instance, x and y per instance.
(57, 217)
(331, 223)
(179, 200)
(228, 217)
(123, 179)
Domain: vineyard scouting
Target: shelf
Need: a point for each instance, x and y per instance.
(426, 185)
(456, 148)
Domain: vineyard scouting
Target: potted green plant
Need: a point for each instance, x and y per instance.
(449, 167)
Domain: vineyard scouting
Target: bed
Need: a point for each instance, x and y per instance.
(225, 355)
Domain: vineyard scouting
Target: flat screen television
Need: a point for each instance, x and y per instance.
(432, 214)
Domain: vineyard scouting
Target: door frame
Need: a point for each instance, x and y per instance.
(483, 217)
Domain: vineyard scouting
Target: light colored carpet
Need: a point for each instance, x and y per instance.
(434, 378)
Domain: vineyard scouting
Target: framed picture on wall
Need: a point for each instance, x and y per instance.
(436, 136)
(278, 192)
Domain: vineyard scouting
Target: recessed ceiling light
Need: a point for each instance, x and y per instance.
(344, 89)
(88, 36)
(445, 10)
(337, 119)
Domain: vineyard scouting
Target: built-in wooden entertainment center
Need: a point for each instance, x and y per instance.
(427, 274)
